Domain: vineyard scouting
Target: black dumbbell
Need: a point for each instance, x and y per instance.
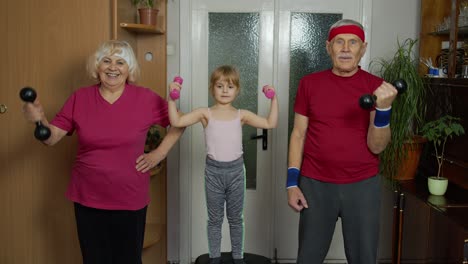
(367, 101)
(41, 132)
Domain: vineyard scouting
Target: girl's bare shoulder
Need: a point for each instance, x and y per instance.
(202, 110)
(245, 113)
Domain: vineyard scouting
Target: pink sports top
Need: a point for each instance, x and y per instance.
(224, 138)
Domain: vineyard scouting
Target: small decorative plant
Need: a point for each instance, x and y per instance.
(153, 139)
(147, 14)
(143, 3)
(438, 132)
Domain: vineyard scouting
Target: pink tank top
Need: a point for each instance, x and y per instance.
(224, 138)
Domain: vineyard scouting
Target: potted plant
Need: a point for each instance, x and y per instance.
(401, 157)
(146, 11)
(438, 132)
(153, 138)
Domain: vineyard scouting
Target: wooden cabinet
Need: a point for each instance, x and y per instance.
(448, 96)
(149, 44)
(440, 22)
(434, 229)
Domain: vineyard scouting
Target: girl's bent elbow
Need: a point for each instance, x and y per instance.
(271, 126)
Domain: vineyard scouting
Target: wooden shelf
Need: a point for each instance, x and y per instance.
(141, 28)
(152, 234)
(462, 32)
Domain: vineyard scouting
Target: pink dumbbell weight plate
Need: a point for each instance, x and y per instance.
(175, 94)
(268, 92)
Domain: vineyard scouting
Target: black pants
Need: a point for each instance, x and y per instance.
(110, 236)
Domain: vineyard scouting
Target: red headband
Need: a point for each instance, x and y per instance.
(347, 29)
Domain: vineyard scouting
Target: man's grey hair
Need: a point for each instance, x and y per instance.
(345, 22)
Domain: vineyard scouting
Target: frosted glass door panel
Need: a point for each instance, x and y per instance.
(234, 40)
(309, 32)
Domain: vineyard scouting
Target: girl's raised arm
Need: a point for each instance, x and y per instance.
(179, 119)
(254, 120)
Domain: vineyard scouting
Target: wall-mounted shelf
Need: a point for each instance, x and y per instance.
(152, 234)
(462, 31)
(141, 28)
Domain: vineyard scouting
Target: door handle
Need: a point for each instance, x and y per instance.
(263, 136)
(3, 108)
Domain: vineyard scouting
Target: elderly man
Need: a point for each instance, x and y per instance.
(333, 152)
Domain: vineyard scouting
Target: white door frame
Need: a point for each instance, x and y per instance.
(185, 180)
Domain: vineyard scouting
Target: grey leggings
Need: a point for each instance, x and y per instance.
(225, 182)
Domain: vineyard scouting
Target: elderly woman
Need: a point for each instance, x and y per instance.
(109, 183)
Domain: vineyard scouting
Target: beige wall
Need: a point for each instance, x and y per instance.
(45, 44)
(392, 20)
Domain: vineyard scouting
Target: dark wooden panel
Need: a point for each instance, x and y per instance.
(434, 227)
(446, 238)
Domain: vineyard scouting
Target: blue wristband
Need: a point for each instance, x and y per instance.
(293, 177)
(382, 117)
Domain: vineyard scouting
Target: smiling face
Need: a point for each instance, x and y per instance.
(107, 63)
(113, 72)
(346, 50)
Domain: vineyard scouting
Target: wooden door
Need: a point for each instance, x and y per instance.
(44, 44)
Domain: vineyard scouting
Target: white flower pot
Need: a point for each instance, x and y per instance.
(437, 186)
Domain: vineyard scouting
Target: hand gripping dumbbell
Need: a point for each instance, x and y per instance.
(175, 94)
(268, 92)
(27, 94)
(367, 101)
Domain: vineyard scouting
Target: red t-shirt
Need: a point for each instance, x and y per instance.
(110, 138)
(335, 148)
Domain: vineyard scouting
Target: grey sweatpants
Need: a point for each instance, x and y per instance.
(225, 183)
(358, 206)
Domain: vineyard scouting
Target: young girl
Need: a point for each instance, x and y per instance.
(224, 171)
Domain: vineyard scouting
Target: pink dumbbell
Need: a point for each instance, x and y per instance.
(268, 92)
(175, 94)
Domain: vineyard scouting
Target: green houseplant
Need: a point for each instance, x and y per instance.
(146, 11)
(143, 3)
(401, 156)
(153, 138)
(438, 132)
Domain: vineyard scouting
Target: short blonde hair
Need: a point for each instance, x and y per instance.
(118, 48)
(224, 73)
